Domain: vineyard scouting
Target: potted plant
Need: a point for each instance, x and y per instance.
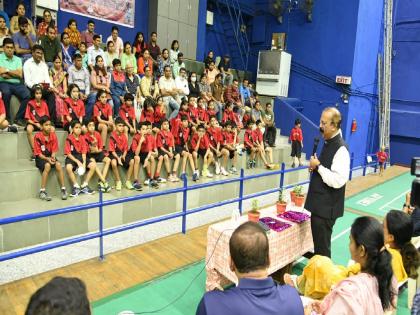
(281, 203)
(293, 193)
(299, 197)
(254, 214)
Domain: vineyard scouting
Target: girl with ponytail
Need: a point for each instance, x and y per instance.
(398, 229)
(372, 291)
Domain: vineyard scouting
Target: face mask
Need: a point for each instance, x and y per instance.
(193, 79)
(321, 130)
(195, 105)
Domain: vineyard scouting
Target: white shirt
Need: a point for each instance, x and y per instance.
(338, 175)
(167, 84)
(182, 84)
(35, 73)
(119, 45)
(92, 53)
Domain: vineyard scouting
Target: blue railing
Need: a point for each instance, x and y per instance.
(183, 213)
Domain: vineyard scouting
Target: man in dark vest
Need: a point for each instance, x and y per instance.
(330, 173)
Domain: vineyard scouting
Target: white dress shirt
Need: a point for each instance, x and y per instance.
(35, 73)
(92, 53)
(338, 175)
(182, 84)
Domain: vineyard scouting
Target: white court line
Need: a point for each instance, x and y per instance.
(399, 196)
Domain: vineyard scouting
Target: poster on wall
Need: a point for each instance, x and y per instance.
(113, 11)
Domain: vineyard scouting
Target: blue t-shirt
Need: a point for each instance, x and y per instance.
(252, 297)
(22, 41)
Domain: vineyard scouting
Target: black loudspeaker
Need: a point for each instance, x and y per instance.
(415, 186)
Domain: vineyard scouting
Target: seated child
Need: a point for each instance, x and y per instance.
(200, 146)
(118, 87)
(202, 114)
(259, 131)
(149, 150)
(230, 139)
(165, 143)
(159, 114)
(4, 124)
(181, 133)
(35, 109)
(75, 151)
(74, 108)
(118, 149)
(148, 112)
(253, 147)
(128, 114)
(96, 153)
(102, 115)
(184, 111)
(45, 150)
(216, 145)
(382, 158)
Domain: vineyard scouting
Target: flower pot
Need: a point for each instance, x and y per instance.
(281, 207)
(299, 200)
(253, 216)
(292, 196)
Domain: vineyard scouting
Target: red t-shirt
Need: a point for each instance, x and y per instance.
(215, 136)
(249, 138)
(102, 110)
(183, 113)
(135, 142)
(165, 139)
(73, 108)
(204, 142)
(34, 111)
(203, 115)
(228, 138)
(74, 145)
(180, 133)
(93, 140)
(258, 135)
(159, 115)
(228, 115)
(382, 156)
(127, 113)
(193, 113)
(118, 143)
(147, 116)
(211, 112)
(2, 108)
(296, 135)
(44, 144)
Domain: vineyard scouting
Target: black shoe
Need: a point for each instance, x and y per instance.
(44, 196)
(137, 186)
(32, 157)
(12, 128)
(86, 190)
(154, 183)
(20, 122)
(75, 191)
(63, 194)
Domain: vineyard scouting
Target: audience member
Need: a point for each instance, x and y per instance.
(127, 57)
(415, 308)
(193, 85)
(148, 85)
(14, 21)
(80, 76)
(100, 80)
(11, 74)
(74, 34)
(60, 296)
(296, 137)
(6, 18)
(209, 58)
(246, 95)
(24, 40)
(163, 62)
(118, 42)
(224, 68)
(51, 45)
(231, 95)
(87, 35)
(256, 111)
(35, 72)
(4, 123)
(145, 60)
(154, 48)
(67, 50)
(132, 81)
(117, 87)
(212, 72)
(205, 89)
(169, 92)
(94, 51)
(181, 83)
(82, 51)
(174, 51)
(217, 94)
(178, 65)
(270, 129)
(59, 85)
(74, 107)
(110, 54)
(139, 45)
(256, 293)
(4, 32)
(46, 22)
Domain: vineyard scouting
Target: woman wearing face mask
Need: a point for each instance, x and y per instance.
(193, 85)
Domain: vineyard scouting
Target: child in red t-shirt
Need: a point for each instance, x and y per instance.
(215, 136)
(35, 109)
(45, 150)
(230, 139)
(296, 137)
(148, 155)
(136, 156)
(148, 112)
(118, 148)
(3, 121)
(184, 111)
(102, 115)
(200, 146)
(160, 114)
(382, 158)
(211, 109)
(128, 115)
(165, 143)
(74, 108)
(202, 114)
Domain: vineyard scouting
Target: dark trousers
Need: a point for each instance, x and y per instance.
(321, 234)
(49, 98)
(270, 135)
(18, 90)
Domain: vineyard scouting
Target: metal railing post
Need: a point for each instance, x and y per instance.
(376, 166)
(184, 205)
(351, 166)
(283, 167)
(364, 168)
(241, 190)
(101, 227)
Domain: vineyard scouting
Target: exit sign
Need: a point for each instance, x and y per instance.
(341, 79)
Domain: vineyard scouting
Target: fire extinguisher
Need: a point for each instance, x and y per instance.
(353, 126)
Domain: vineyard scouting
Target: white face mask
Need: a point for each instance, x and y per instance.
(193, 79)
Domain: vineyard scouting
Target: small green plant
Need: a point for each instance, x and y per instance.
(282, 197)
(254, 205)
(298, 190)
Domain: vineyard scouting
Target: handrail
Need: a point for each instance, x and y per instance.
(100, 204)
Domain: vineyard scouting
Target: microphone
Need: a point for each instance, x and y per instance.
(316, 142)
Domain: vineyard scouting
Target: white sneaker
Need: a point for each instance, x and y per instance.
(209, 175)
(147, 181)
(233, 170)
(223, 171)
(197, 172)
(171, 178)
(217, 168)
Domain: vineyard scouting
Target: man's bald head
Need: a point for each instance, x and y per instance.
(330, 122)
(249, 248)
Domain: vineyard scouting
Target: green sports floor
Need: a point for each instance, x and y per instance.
(179, 292)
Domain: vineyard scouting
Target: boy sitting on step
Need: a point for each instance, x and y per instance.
(230, 138)
(253, 147)
(200, 146)
(45, 150)
(127, 113)
(149, 152)
(75, 150)
(165, 143)
(215, 136)
(4, 124)
(118, 148)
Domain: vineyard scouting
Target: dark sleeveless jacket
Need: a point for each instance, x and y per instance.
(322, 200)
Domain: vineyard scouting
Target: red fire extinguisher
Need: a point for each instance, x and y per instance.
(353, 126)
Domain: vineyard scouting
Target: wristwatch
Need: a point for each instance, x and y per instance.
(406, 205)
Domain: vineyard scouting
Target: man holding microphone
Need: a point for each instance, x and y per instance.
(330, 172)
